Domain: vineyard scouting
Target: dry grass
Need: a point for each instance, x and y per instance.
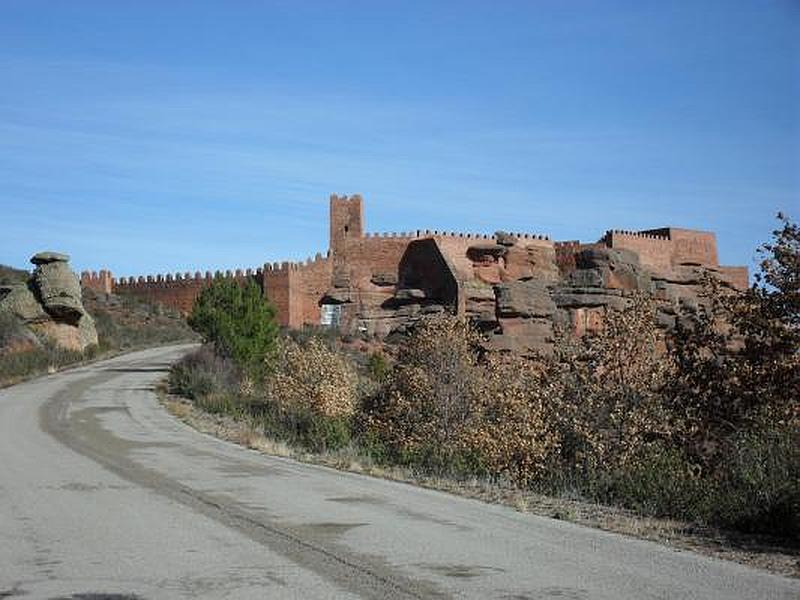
(755, 551)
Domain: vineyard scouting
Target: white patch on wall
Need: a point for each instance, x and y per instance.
(330, 315)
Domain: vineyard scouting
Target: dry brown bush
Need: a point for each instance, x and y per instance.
(609, 387)
(738, 365)
(313, 377)
(427, 400)
(512, 422)
(596, 402)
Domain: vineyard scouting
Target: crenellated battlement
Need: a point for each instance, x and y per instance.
(178, 290)
(403, 234)
(186, 278)
(100, 281)
(362, 268)
(426, 233)
(285, 266)
(634, 234)
(663, 249)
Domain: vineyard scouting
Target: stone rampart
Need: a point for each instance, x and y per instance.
(361, 270)
(655, 251)
(101, 281)
(295, 289)
(178, 290)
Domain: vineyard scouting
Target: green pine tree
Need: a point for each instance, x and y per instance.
(239, 321)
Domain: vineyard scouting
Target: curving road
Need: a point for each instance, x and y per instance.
(104, 495)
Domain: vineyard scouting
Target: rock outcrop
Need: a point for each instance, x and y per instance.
(522, 291)
(49, 304)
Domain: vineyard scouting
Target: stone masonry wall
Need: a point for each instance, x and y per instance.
(99, 282)
(655, 251)
(178, 291)
(295, 289)
(360, 275)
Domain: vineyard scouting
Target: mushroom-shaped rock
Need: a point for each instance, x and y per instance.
(49, 303)
(59, 290)
(43, 258)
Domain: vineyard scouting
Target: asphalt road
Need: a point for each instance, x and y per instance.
(104, 495)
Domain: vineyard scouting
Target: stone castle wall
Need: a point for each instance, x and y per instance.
(361, 273)
(655, 251)
(177, 290)
(295, 289)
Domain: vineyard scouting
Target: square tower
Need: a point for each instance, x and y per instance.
(347, 221)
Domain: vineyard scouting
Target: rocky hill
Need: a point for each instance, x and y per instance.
(127, 322)
(10, 275)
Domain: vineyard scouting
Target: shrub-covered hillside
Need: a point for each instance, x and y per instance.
(125, 322)
(10, 275)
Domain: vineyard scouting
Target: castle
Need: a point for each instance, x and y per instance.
(514, 286)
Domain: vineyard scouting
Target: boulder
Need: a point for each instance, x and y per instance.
(588, 297)
(486, 252)
(384, 279)
(600, 256)
(480, 305)
(610, 268)
(58, 289)
(479, 292)
(542, 261)
(587, 278)
(488, 272)
(524, 299)
(87, 332)
(43, 258)
(69, 336)
(21, 302)
(517, 265)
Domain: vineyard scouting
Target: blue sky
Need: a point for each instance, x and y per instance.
(152, 137)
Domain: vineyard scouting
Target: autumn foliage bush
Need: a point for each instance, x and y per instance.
(311, 376)
(425, 405)
(513, 425)
(311, 395)
(595, 402)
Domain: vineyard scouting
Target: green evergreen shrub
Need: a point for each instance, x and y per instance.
(239, 321)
